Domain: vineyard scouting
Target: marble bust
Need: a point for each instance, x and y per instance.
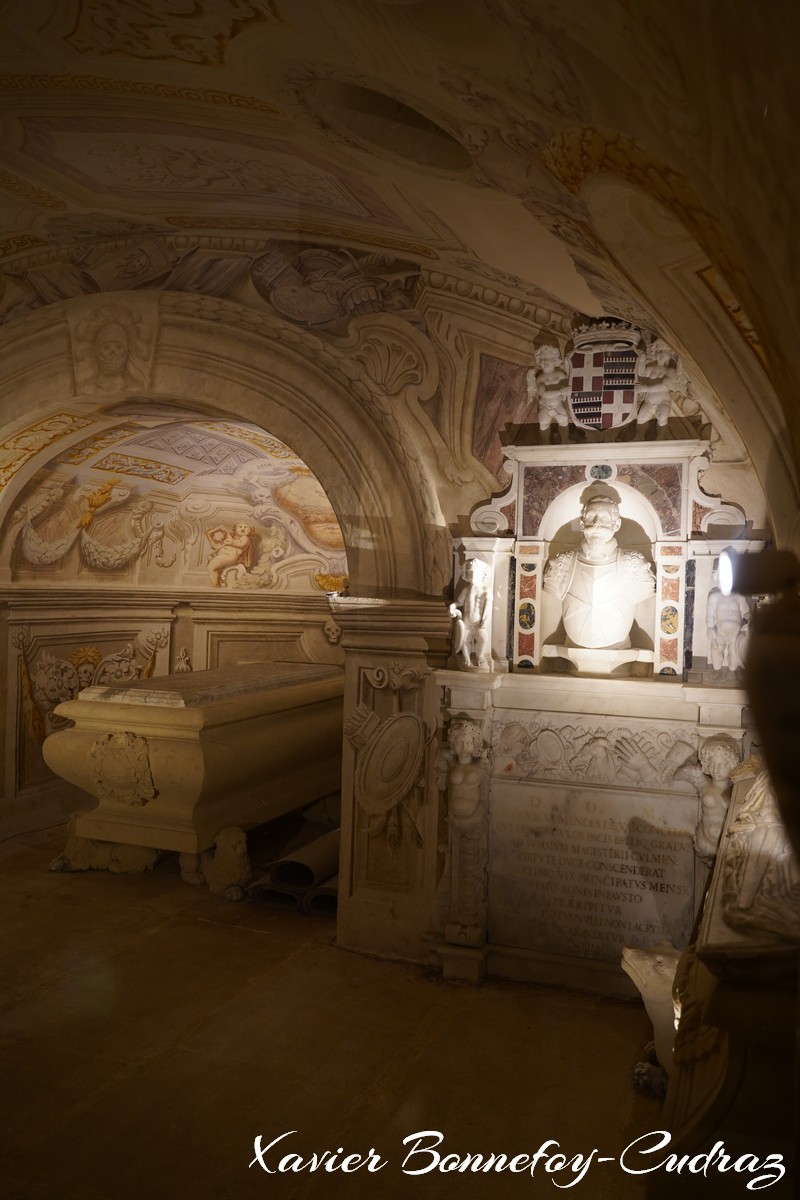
(599, 584)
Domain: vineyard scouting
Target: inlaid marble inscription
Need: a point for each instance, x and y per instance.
(583, 873)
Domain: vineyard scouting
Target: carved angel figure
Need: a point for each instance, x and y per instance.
(658, 375)
(548, 387)
(718, 757)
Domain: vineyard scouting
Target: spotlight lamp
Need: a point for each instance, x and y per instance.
(769, 573)
(772, 666)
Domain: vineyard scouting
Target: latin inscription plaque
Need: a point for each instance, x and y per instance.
(584, 872)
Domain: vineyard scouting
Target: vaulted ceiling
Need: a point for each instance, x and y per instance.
(620, 157)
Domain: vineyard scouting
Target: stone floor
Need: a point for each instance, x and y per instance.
(150, 1031)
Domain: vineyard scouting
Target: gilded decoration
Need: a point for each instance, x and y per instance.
(20, 242)
(28, 191)
(131, 87)
(26, 444)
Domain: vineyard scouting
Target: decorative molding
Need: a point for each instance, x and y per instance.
(396, 677)
(132, 87)
(299, 228)
(541, 313)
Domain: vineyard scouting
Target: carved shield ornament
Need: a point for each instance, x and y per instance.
(390, 763)
(119, 764)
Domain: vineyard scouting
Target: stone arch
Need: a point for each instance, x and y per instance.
(221, 359)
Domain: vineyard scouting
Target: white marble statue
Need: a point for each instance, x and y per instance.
(657, 377)
(728, 624)
(653, 972)
(599, 584)
(472, 613)
(548, 387)
(718, 757)
(761, 883)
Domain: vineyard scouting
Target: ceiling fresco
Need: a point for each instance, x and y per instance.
(504, 148)
(171, 500)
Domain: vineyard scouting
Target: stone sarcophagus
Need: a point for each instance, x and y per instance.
(173, 761)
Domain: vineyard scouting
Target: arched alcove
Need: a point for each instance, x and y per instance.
(154, 495)
(218, 362)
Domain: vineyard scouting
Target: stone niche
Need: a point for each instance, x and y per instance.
(573, 803)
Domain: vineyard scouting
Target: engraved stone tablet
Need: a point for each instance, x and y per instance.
(583, 872)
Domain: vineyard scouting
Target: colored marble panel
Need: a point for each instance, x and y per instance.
(671, 551)
(661, 484)
(526, 615)
(670, 589)
(527, 585)
(668, 649)
(669, 619)
(526, 644)
(601, 471)
(540, 487)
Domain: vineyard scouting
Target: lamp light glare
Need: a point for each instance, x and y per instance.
(727, 571)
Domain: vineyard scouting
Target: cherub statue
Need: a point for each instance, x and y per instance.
(548, 387)
(471, 611)
(727, 622)
(658, 375)
(718, 757)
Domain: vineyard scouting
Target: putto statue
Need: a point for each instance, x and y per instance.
(549, 387)
(472, 614)
(718, 756)
(658, 376)
(599, 584)
(727, 623)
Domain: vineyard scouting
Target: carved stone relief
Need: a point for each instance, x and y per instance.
(112, 347)
(50, 680)
(461, 899)
(633, 755)
(389, 759)
(119, 765)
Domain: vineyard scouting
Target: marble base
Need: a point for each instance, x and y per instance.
(598, 661)
(462, 964)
